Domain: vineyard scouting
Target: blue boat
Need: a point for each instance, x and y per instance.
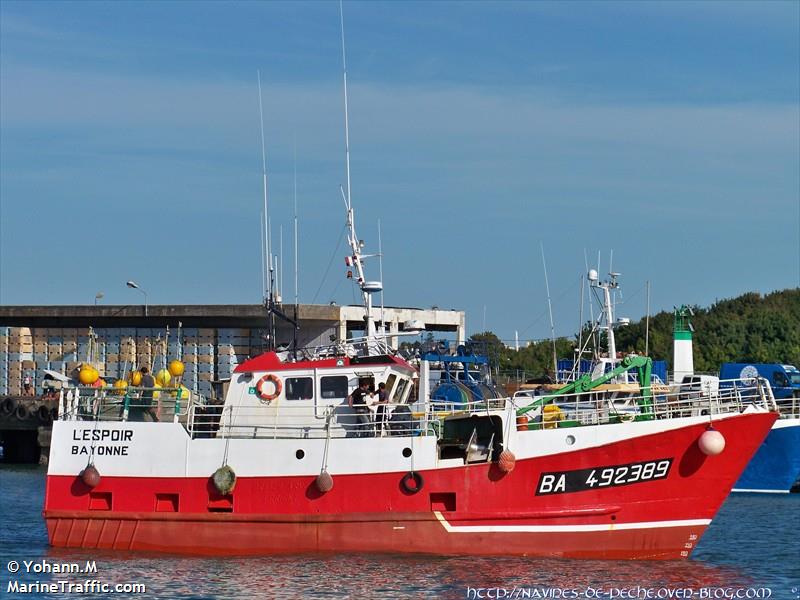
(776, 466)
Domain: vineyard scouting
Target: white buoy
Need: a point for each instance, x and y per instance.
(712, 442)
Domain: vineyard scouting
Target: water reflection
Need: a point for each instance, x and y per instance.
(385, 576)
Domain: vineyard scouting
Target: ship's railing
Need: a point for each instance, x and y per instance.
(616, 404)
(789, 407)
(358, 346)
(595, 407)
(308, 421)
(126, 404)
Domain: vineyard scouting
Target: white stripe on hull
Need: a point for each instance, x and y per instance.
(760, 491)
(566, 528)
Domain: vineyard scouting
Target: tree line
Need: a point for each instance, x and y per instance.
(750, 328)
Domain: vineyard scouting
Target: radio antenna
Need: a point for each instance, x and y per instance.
(550, 309)
(296, 285)
(346, 119)
(264, 177)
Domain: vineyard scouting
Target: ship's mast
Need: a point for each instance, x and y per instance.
(356, 246)
(607, 287)
(271, 298)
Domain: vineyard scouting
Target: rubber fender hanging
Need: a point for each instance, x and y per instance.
(43, 413)
(7, 406)
(324, 482)
(224, 480)
(22, 412)
(90, 476)
(416, 478)
(506, 461)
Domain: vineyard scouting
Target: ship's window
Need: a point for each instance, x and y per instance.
(390, 381)
(780, 379)
(401, 387)
(334, 386)
(299, 388)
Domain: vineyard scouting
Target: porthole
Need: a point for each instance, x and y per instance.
(406, 452)
(300, 454)
(570, 440)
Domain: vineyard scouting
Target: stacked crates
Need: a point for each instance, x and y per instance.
(233, 348)
(188, 354)
(144, 348)
(55, 350)
(208, 354)
(109, 340)
(20, 358)
(206, 341)
(5, 333)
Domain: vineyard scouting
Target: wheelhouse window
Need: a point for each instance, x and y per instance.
(390, 381)
(399, 390)
(333, 386)
(299, 388)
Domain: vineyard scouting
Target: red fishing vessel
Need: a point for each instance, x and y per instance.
(293, 461)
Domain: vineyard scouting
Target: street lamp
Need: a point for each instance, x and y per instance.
(135, 286)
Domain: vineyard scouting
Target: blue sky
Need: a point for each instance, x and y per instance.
(668, 132)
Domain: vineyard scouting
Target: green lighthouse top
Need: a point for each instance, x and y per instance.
(682, 327)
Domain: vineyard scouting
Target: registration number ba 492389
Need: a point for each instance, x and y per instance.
(562, 482)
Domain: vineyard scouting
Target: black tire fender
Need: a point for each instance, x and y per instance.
(412, 482)
(22, 412)
(7, 406)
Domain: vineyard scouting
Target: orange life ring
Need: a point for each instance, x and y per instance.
(275, 382)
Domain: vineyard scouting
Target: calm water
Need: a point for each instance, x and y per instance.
(753, 543)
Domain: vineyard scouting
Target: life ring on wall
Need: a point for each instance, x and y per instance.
(276, 383)
(408, 478)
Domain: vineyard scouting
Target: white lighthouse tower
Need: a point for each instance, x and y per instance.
(682, 355)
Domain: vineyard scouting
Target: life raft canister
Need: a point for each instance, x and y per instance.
(262, 391)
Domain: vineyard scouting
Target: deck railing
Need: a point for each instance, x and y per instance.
(612, 405)
(202, 419)
(127, 404)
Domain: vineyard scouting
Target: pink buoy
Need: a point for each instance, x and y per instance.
(90, 476)
(324, 482)
(711, 442)
(506, 461)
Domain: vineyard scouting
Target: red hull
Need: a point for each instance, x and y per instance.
(407, 532)
(466, 510)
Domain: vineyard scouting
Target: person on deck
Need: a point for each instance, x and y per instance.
(380, 412)
(357, 401)
(144, 405)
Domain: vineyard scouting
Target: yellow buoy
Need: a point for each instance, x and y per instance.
(176, 368)
(121, 385)
(185, 393)
(87, 375)
(157, 386)
(136, 378)
(163, 378)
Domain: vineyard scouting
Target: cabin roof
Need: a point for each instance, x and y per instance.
(270, 361)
